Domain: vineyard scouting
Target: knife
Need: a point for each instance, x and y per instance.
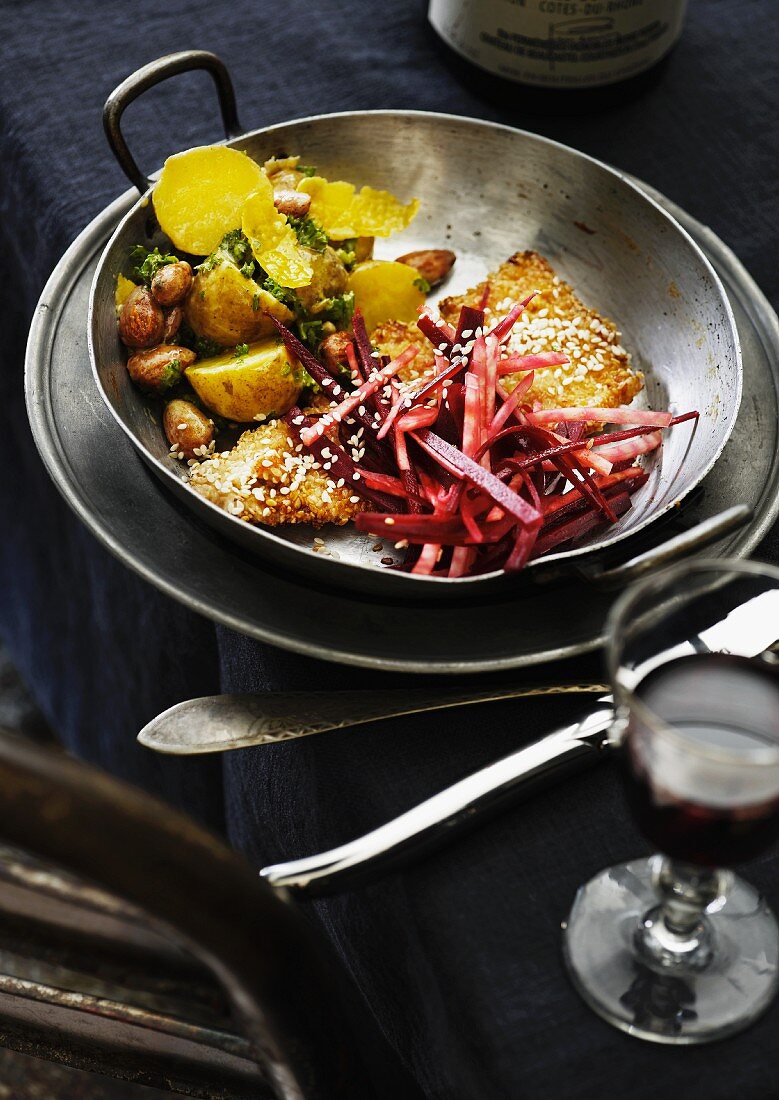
(461, 806)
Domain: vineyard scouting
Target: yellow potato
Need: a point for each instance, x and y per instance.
(385, 291)
(274, 244)
(329, 278)
(225, 306)
(124, 288)
(263, 381)
(344, 212)
(200, 195)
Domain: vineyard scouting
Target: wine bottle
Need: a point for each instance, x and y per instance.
(570, 54)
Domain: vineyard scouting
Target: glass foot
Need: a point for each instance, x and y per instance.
(647, 999)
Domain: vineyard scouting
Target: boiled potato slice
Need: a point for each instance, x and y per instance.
(344, 212)
(263, 381)
(385, 291)
(274, 244)
(225, 306)
(124, 288)
(200, 195)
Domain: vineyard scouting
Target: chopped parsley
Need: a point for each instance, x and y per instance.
(170, 375)
(281, 293)
(423, 284)
(347, 252)
(145, 264)
(338, 311)
(234, 246)
(201, 345)
(256, 301)
(307, 169)
(311, 333)
(240, 351)
(309, 233)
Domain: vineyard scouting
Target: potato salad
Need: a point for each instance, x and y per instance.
(250, 245)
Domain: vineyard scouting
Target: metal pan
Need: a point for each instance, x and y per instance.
(486, 191)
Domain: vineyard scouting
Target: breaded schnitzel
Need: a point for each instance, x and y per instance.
(268, 478)
(599, 371)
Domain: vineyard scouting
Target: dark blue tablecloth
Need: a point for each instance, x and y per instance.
(458, 958)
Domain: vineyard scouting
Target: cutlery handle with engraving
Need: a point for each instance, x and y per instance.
(447, 814)
(219, 723)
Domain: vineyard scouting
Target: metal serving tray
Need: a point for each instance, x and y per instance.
(98, 472)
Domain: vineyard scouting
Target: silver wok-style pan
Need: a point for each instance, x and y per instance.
(486, 191)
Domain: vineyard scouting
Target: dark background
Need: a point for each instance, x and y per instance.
(458, 958)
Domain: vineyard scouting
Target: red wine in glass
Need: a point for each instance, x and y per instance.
(691, 811)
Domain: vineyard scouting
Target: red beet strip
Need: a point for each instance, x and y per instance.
(577, 527)
(458, 463)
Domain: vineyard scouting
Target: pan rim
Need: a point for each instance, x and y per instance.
(336, 572)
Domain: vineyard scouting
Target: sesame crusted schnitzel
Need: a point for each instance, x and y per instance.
(268, 478)
(598, 372)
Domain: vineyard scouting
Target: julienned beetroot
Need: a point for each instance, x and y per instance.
(462, 474)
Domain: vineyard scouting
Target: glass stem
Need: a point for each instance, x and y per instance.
(675, 935)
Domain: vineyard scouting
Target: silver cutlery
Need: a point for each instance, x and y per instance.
(216, 723)
(461, 806)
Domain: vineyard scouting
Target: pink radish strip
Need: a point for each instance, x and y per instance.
(385, 483)
(417, 418)
(401, 452)
(471, 441)
(374, 383)
(462, 557)
(428, 559)
(504, 327)
(510, 404)
(630, 448)
(600, 463)
(491, 353)
(602, 416)
(512, 364)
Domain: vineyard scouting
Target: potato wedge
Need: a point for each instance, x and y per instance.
(386, 291)
(227, 307)
(263, 381)
(200, 195)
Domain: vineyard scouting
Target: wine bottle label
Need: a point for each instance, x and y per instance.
(560, 43)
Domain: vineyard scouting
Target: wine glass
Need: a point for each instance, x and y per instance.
(673, 948)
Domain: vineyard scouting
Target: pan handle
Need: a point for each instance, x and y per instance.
(154, 73)
(689, 542)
